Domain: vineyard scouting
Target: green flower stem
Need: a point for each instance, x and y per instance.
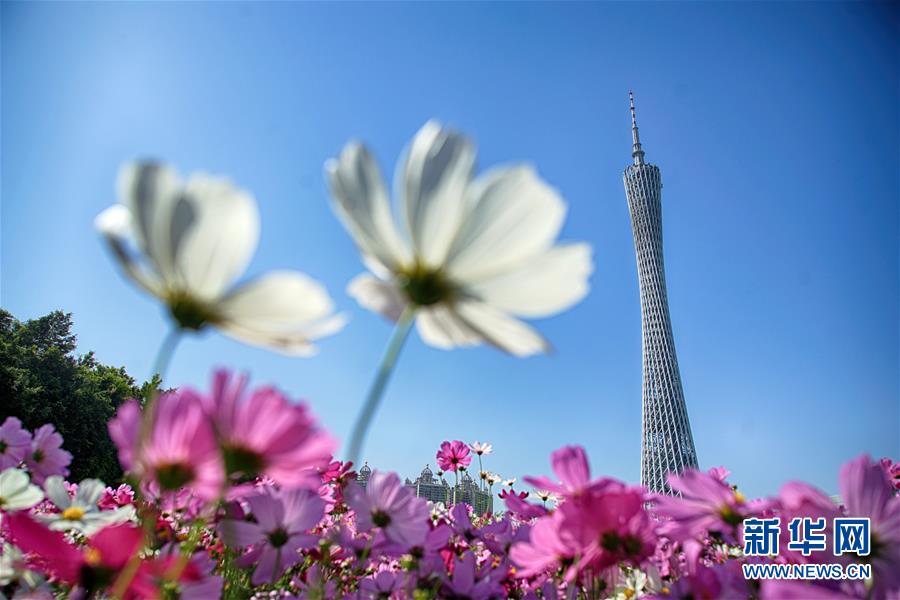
(388, 362)
(480, 471)
(165, 353)
(160, 366)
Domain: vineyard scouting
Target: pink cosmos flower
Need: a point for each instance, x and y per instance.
(338, 471)
(180, 450)
(545, 550)
(453, 455)
(610, 526)
(47, 456)
(92, 568)
(15, 443)
(707, 504)
(315, 584)
(867, 492)
(515, 503)
(382, 584)
(385, 503)
(570, 464)
(709, 583)
(283, 521)
(196, 580)
(114, 498)
(720, 473)
(798, 499)
(264, 434)
(779, 589)
(469, 581)
(893, 471)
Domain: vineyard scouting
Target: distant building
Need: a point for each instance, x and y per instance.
(362, 477)
(470, 493)
(437, 489)
(434, 489)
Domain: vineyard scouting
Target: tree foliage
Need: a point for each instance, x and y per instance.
(44, 380)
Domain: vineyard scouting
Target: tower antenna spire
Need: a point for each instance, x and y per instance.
(637, 153)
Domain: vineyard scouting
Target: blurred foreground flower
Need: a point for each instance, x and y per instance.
(479, 254)
(194, 239)
(17, 492)
(14, 443)
(81, 513)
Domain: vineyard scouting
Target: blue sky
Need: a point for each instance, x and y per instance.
(775, 127)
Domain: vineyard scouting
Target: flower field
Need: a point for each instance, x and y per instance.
(235, 491)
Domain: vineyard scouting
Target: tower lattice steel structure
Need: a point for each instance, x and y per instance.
(667, 444)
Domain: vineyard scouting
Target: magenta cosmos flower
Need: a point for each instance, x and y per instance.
(797, 500)
(283, 520)
(706, 505)
(263, 434)
(469, 581)
(453, 455)
(91, 567)
(570, 464)
(867, 492)
(610, 525)
(180, 450)
(15, 443)
(47, 456)
(545, 550)
(385, 503)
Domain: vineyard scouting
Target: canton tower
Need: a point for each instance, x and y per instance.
(666, 445)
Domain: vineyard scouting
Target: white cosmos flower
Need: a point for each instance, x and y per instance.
(16, 490)
(493, 478)
(476, 254)
(509, 482)
(481, 448)
(195, 238)
(81, 512)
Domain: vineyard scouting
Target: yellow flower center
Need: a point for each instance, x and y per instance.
(739, 497)
(73, 513)
(92, 557)
(628, 592)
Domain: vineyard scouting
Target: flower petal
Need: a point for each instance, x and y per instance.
(501, 330)
(56, 492)
(442, 328)
(240, 534)
(89, 492)
(360, 199)
(431, 182)
(115, 223)
(544, 285)
(150, 191)
(514, 216)
(377, 295)
(284, 310)
(221, 232)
